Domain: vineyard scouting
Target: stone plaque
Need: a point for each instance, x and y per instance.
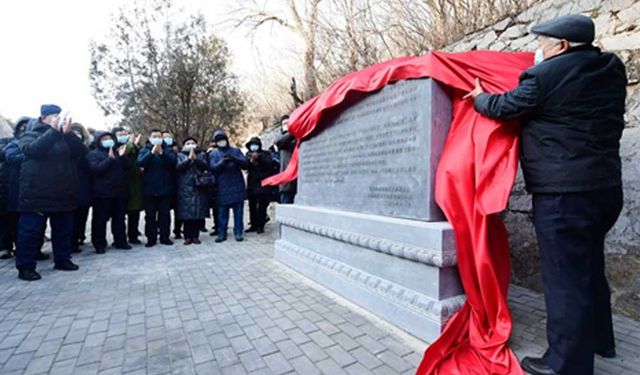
(380, 155)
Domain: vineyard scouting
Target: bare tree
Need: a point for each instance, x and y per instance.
(300, 17)
(158, 71)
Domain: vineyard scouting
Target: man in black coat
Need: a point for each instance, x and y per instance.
(109, 189)
(159, 163)
(286, 144)
(572, 104)
(48, 184)
(261, 166)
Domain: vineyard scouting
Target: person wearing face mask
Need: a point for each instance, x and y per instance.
(108, 165)
(213, 193)
(134, 182)
(170, 141)
(285, 145)
(227, 164)
(81, 213)
(572, 105)
(193, 201)
(159, 163)
(48, 190)
(261, 166)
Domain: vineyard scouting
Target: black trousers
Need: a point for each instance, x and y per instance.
(192, 229)
(258, 205)
(80, 216)
(157, 217)
(571, 229)
(133, 222)
(103, 210)
(10, 225)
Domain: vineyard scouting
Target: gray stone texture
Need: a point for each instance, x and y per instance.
(380, 155)
(617, 31)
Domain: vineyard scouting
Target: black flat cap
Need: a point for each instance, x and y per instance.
(574, 28)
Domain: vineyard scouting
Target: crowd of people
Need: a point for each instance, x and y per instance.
(56, 171)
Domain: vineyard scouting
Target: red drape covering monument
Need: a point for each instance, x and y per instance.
(473, 182)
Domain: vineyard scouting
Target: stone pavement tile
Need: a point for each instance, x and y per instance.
(252, 361)
(366, 358)
(236, 369)
(226, 357)
(394, 361)
(40, 365)
(277, 363)
(289, 349)
(302, 365)
(17, 362)
(329, 366)
(341, 356)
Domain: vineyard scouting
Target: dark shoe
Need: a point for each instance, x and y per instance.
(187, 242)
(125, 246)
(536, 366)
(42, 256)
(214, 233)
(608, 353)
(251, 229)
(220, 239)
(177, 236)
(76, 250)
(135, 241)
(8, 254)
(260, 231)
(267, 219)
(66, 265)
(203, 230)
(29, 275)
(167, 242)
(100, 250)
(150, 244)
(196, 241)
(239, 238)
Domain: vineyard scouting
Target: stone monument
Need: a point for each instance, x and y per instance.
(365, 223)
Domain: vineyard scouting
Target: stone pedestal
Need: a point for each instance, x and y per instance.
(365, 223)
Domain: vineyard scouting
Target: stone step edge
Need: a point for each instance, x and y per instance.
(428, 256)
(418, 303)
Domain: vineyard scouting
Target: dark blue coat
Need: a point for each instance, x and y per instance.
(13, 158)
(49, 175)
(159, 170)
(192, 201)
(84, 183)
(231, 185)
(109, 175)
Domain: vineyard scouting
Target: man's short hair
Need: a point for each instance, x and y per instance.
(155, 131)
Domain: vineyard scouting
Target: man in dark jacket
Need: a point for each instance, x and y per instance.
(227, 164)
(48, 183)
(159, 163)
(81, 213)
(14, 157)
(134, 182)
(572, 104)
(109, 189)
(286, 144)
(261, 166)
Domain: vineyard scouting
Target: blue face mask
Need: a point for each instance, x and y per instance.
(168, 141)
(107, 143)
(122, 139)
(155, 141)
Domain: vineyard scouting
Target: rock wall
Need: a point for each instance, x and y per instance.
(617, 30)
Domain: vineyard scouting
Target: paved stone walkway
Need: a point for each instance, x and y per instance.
(216, 309)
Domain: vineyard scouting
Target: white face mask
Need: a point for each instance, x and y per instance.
(168, 141)
(539, 57)
(122, 139)
(222, 144)
(155, 141)
(188, 148)
(254, 148)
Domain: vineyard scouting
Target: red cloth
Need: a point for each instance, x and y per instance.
(473, 182)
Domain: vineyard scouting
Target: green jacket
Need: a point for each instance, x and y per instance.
(134, 180)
